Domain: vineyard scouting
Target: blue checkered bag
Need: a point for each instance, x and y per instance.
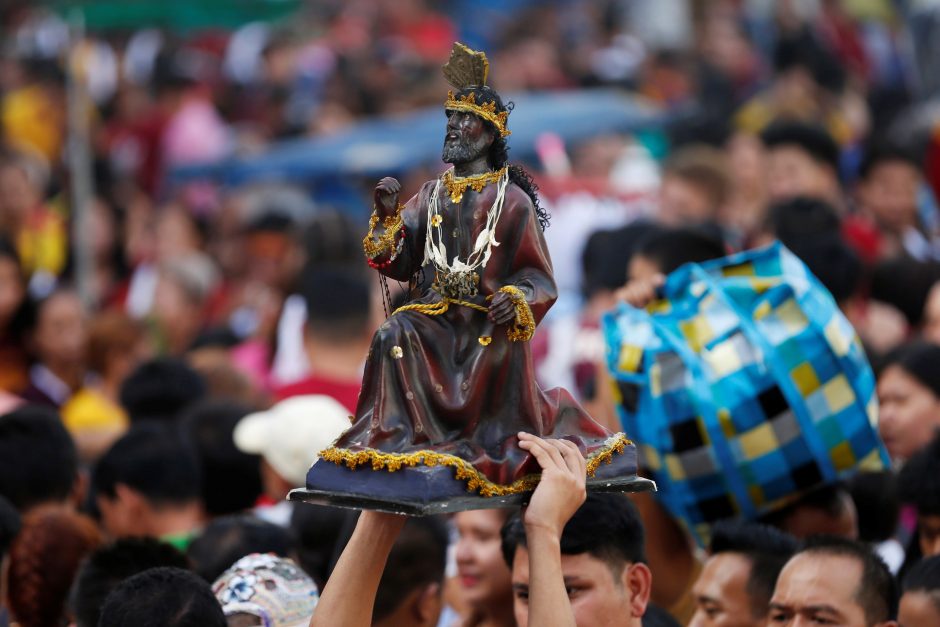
(743, 388)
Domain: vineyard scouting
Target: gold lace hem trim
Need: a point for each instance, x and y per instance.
(464, 470)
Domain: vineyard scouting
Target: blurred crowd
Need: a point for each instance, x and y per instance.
(164, 344)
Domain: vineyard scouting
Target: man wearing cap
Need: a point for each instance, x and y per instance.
(288, 437)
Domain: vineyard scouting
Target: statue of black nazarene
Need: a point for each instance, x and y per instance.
(449, 382)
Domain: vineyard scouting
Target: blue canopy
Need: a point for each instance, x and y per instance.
(392, 145)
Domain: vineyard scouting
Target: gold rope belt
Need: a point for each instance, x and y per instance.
(522, 329)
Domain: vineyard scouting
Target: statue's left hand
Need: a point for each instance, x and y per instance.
(502, 309)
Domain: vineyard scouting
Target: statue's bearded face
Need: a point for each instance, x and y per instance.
(467, 137)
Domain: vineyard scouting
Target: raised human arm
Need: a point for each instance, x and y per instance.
(557, 497)
(349, 596)
(394, 244)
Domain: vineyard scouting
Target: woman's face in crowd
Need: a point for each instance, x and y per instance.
(910, 413)
(918, 609)
(481, 570)
(12, 290)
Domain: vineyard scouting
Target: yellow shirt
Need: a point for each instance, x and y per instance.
(89, 410)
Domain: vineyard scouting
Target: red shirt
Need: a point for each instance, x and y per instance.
(346, 392)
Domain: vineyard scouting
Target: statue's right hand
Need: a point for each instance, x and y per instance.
(386, 196)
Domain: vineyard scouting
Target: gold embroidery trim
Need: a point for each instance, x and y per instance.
(463, 470)
(457, 186)
(523, 327)
(387, 241)
(486, 111)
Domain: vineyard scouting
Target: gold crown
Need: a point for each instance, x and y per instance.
(486, 111)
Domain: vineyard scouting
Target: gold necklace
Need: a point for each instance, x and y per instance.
(457, 186)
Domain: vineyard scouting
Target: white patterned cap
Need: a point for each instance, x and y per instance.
(272, 588)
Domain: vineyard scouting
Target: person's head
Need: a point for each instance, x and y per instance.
(738, 579)
(162, 597)
(602, 561)
(231, 478)
(38, 460)
(227, 539)
(320, 533)
(695, 186)
(116, 344)
(183, 289)
(797, 218)
(875, 495)
(161, 389)
(44, 558)
(111, 564)
(919, 485)
(146, 480)
(266, 590)
(890, 176)
(288, 438)
(338, 305)
(920, 601)
(665, 250)
(909, 397)
(834, 581)
(410, 591)
(58, 338)
(485, 580)
(931, 329)
(273, 253)
(826, 510)
(802, 160)
(12, 284)
(469, 136)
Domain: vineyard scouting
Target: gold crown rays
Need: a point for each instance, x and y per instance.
(469, 68)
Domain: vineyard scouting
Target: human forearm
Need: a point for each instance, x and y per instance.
(349, 595)
(548, 599)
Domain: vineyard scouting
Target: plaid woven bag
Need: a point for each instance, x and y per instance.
(743, 388)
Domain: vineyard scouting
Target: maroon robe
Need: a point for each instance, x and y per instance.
(447, 392)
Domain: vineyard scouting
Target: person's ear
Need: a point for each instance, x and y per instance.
(638, 579)
(428, 605)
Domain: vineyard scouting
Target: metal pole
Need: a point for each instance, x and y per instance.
(80, 163)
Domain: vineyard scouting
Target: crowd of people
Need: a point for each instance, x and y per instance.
(156, 410)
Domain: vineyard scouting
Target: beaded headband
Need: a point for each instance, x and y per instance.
(469, 68)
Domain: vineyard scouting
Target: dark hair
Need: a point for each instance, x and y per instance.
(338, 302)
(670, 248)
(10, 524)
(418, 558)
(160, 389)
(162, 597)
(38, 461)
(919, 480)
(828, 499)
(226, 540)
(876, 500)
(499, 150)
(231, 479)
(44, 558)
(885, 151)
(800, 217)
(607, 254)
(768, 550)
(109, 565)
(918, 359)
(321, 533)
(606, 526)
(924, 577)
(154, 460)
(877, 590)
(812, 139)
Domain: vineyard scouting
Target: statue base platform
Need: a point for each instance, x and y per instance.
(429, 490)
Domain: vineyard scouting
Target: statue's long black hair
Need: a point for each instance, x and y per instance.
(499, 151)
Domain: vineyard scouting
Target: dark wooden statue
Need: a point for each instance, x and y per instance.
(449, 382)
